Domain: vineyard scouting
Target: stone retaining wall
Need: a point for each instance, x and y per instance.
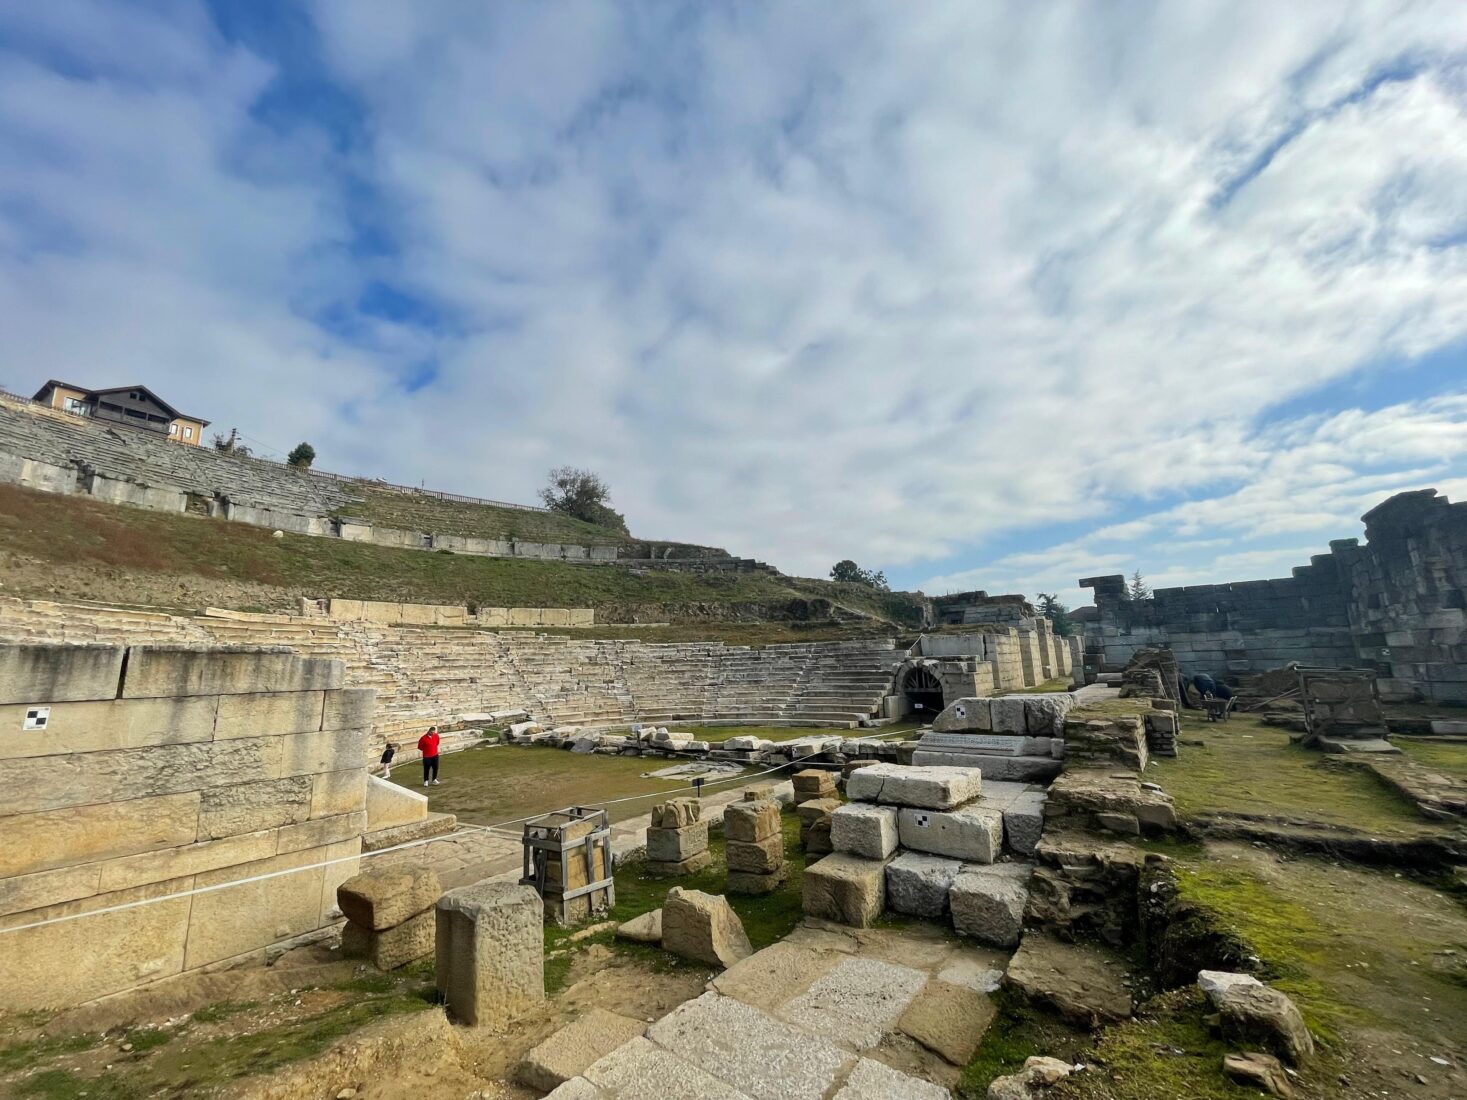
(142, 771)
(1397, 604)
(427, 614)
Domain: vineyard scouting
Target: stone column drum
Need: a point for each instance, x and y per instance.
(490, 950)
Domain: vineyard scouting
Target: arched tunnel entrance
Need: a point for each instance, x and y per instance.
(923, 693)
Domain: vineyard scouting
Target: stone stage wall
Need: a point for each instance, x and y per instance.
(1397, 604)
(134, 772)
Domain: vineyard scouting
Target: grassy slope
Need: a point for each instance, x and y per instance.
(73, 532)
(424, 513)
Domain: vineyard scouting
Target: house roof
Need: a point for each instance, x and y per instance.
(53, 383)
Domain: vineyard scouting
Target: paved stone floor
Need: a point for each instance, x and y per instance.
(830, 1011)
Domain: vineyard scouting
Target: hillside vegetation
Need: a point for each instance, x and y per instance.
(77, 548)
(421, 512)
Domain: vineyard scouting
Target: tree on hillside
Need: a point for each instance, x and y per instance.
(1138, 588)
(231, 445)
(851, 573)
(582, 494)
(1053, 609)
(301, 456)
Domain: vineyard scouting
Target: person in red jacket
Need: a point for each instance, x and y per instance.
(428, 746)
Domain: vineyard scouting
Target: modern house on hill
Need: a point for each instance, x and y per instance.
(134, 405)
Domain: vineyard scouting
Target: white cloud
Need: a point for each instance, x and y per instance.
(807, 282)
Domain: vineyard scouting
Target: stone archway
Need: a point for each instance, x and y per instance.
(922, 692)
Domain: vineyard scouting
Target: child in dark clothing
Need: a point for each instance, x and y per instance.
(387, 754)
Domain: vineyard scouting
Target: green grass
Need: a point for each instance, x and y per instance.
(1447, 757)
(1247, 768)
(224, 1010)
(1019, 1031)
(426, 513)
(75, 531)
(20, 1055)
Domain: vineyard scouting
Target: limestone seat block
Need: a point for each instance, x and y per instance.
(571, 1050)
(972, 833)
(377, 900)
(389, 948)
(932, 788)
(846, 889)
(750, 821)
(863, 829)
(964, 715)
(988, 902)
(32, 674)
(703, 927)
(490, 950)
(672, 845)
(154, 671)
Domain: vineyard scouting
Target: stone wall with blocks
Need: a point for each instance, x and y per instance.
(136, 772)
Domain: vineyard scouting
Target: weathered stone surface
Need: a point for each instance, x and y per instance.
(846, 889)
(249, 807)
(917, 885)
(763, 857)
(95, 726)
(644, 929)
(349, 708)
(341, 792)
(964, 715)
(268, 712)
(815, 839)
(873, 1080)
(327, 751)
(678, 813)
(1030, 1082)
(1260, 1071)
(949, 1020)
(813, 810)
(813, 779)
(571, 1050)
(769, 978)
(750, 821)
(640, 1070)
(972, 833)
(754, 884)
(31, 674)
(1044, 714)
(988, 902)
(382, 899)
(756, 1054)
(154, 671)
(702, 927)
(674, 845)
(1007, 714)
(1023, 822)
(490, 950)
(690, 866)
(1077, 981)
(390, 806)
(389, 948)
(857, 1002)
(1258, 1013)
(903, 785)
(82, 834)
(865, 830)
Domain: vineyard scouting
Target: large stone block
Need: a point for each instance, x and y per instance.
(1256, 1013)
(155, 671)
(327, 751)
(390, 948)
(341, 792)
(863, 829)
(857, 1002)
(949, 1019)
(988, 902)
(78, 960)
(1044, 714)
(100, 725)
(642, 1069)
(378, 900)
(389, 806)
(1023, 822)
(817, 809)
(846, 889)
(677, 813)
(189, 859)
(750, 821)
(83, 834)
(917, 885)
(250, 807)
(1008, 714)
(756, 884)
(490, 952)
(31, 674)
(674, 845)
(88, 778)
(973, 834)
(964, 715)
(702, 927)
(873, 1080)
(349, 709)
(903, 785)
(696, 862)
(571, 1050)
(268, 713)
(44, 888)
(762, 857)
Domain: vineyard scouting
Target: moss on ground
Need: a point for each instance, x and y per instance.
(1447, 757)
(1019, 1031)
(1242, 767)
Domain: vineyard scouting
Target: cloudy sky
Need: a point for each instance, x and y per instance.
(984, 295)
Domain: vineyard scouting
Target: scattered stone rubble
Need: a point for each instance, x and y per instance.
(703, 927)
(389, 916)
(1037, 1076)
(1253, 1012)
